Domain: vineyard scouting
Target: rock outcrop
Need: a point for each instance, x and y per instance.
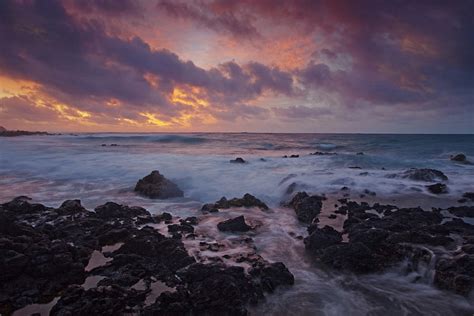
(248, 200)
(236, 224)
(437, 188)
(156, 186)
(306, 207)
(44, 253)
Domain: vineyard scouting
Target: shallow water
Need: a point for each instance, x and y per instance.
(52, 169)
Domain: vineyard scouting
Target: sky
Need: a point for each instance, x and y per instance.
(237, 65)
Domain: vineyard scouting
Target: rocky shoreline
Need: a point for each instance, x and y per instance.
(52, 253)
(119, 259)
(11, 133)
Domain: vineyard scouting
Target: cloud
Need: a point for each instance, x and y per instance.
(227, 22)
(334, 57)
(78, 63)
(108, 7)
(298, 112)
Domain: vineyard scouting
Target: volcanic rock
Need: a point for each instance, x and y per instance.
(156, 186)
(437, 188)
(236, 224)
(306, 207)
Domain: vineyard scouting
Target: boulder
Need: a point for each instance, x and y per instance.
(459, 158)
(427, 175)
(236, 224)
(238, 160)
(156, 186)
(437, 188)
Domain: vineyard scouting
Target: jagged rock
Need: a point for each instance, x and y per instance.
(209, 207)
(306, 207)
(44, 251)
(427, 175)
(462, 211)
(437, 188)
(184, 228)
(247, 200)
(456, 274)
(322, 238)
(111, 210)
(236, 224)
(156, 186)
(273, 275)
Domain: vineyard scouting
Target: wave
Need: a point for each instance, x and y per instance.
(167, 138)
(326, 146)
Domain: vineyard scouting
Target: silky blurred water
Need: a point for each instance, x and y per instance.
(51, 169)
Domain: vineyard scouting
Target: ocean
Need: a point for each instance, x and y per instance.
(99, 167)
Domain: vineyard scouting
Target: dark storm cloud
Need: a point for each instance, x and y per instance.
(298, 112)
(399, 51)
(226, 22)
(112, 7)
(45, 44)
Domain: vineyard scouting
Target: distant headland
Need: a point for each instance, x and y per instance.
(10, 133)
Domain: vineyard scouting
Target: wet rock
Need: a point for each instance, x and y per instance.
(306, 207)
(427, 175)
(368, 192)
(438, 188)
(360, 153)
(110, 300)
(238, 160)
(469, 196)
(44, 251)
(321, 153)
(192, 220)
(236, 224)
(111, 210)
(462, 211)
(183, 228)
(459, 158)
(114, 236)
(378, 242)
(209, 207)
(70, 207)
(272, 275)
(456, 274)
(247, 200)
(156, 186)
(322, 238)
(163, 217)
(211, 290)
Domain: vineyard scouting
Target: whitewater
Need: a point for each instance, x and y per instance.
(99, 167)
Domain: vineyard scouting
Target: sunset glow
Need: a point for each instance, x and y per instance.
(297, 66)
